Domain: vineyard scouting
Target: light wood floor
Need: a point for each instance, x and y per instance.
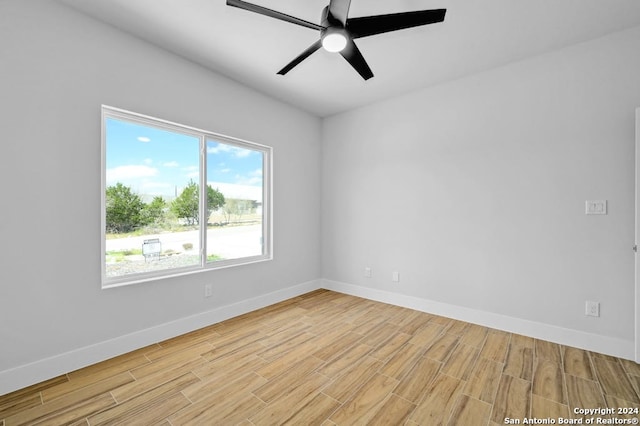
(330, 359)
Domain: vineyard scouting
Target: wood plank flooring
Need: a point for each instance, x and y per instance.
(326, 358)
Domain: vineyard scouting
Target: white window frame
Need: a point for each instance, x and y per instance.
(203, 135)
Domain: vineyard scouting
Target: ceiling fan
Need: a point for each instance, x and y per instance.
(337, 30)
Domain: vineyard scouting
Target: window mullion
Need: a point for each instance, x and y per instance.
(203, 201)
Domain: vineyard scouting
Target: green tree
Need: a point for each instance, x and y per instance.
(186, 206)
(215, 200)
(234, 206)
(154, 212)
(123, 209)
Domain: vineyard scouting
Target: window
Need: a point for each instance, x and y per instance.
(179, 200)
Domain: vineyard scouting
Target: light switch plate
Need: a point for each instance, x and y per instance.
(596, 207)
(592, 309)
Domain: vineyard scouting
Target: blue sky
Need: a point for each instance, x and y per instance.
(154, 162)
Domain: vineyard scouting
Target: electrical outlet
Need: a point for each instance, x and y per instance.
(595, 207)
(367, 272)
(208, 290)
(395, 277)
(592, 309)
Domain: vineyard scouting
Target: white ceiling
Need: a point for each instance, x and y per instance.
(251, 48)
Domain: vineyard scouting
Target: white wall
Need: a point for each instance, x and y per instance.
(56, 68)
(475, 192)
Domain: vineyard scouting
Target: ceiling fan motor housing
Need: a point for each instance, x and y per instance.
(328, 20)
(334, 36)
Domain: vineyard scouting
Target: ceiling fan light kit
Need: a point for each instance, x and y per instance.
(334, 40)
(337, 31)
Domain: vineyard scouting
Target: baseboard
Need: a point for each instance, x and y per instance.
(45, 369)
(38, 371)
(578, 339)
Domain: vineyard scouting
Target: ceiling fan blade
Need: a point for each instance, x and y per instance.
(352, 54)
(371, 25)
(273, 14)
(304, 55)
(339, 9)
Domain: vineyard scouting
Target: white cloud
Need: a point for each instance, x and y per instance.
(192, 172)
(218, 148)
(155, 185)
(171, 164)
(241, 152)
(253, 178)
(147, 161)
(244, 180)
(242, 192)
(234, 150)
(124, 173)
(153, 188)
